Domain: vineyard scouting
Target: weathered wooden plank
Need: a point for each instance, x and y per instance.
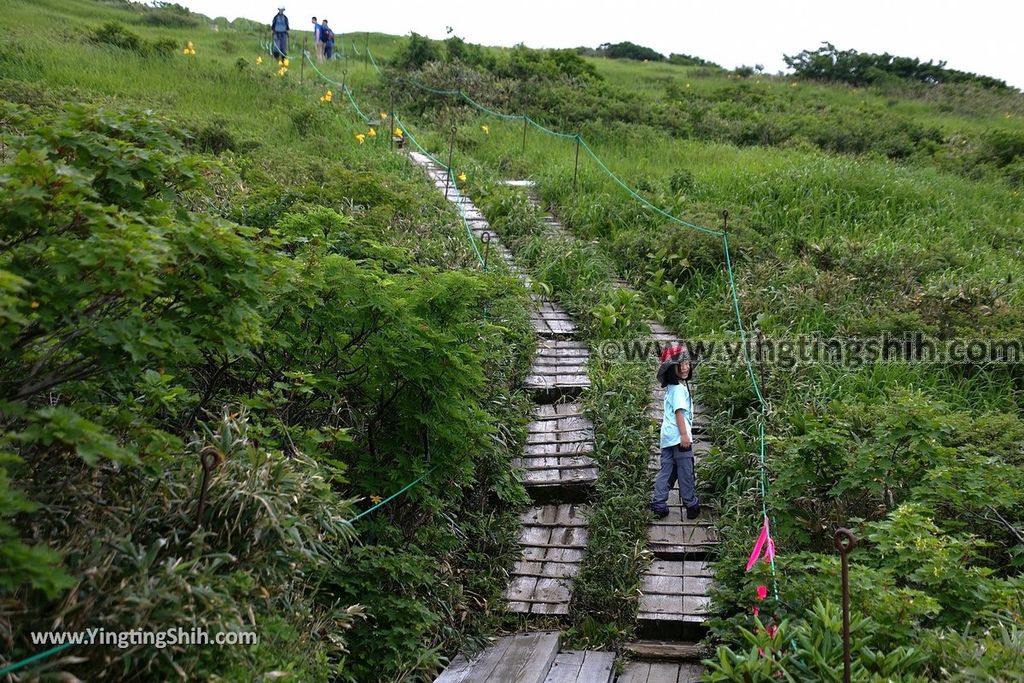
(482, 665)
(690, 673)
(635, 672)
(527, 658)
(566, 667)
(597, 667)
(456, 671)
(665, 649)
(663, 672)
(667, 605)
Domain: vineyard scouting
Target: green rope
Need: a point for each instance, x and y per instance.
(555, 133)
(35, 658)
(643, 201)
(373, 61)
(392, 496)
(474, 103)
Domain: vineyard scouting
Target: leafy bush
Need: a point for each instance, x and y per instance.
(126, 321)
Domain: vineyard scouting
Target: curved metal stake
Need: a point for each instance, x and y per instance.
(845, 542)
(486, 239)
(209, 459)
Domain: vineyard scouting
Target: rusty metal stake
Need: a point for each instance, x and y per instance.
(209, 459)
(845, 542)
(486, 239)
(725, 221)
(448, 175)
(576, 168)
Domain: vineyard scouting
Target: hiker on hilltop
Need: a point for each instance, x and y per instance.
(327, 36)
(676, 434)
(318, 42)
(279, 25)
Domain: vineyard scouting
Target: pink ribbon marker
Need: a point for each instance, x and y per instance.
(764, 544)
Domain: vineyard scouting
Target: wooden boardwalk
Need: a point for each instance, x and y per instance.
(559, 370)
(556, 458)
(553, 539)
(674, 588)
(558, 442)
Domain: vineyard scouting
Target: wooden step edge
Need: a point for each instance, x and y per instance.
(667, 650)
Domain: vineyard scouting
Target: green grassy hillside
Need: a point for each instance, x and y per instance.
(201, 259)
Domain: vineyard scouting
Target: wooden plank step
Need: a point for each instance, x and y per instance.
(553, 539)
(519, 658)
(666, 649)
(660, 672)
(675, 590)
(576, 666)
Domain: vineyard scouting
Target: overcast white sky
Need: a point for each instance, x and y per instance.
(983, 36)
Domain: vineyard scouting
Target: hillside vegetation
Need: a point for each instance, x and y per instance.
(201, 262)
(878, 211)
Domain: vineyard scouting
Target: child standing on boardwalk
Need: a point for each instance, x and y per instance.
(676, 434)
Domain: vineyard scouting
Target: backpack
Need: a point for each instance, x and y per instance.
(326, 35)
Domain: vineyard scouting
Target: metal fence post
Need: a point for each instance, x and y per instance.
(845, 542)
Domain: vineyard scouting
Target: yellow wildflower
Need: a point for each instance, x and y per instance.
(383, 115)
(486, 129)
(259, 60)
(461, 177)
(34, 304)
(285, 61)
(282, 71)
(360, 137)
(375, 499)
(398, 132)
(372, 132)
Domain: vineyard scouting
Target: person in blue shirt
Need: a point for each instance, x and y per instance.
(318, 42)
(676, 436)
(327, 41)
(279, 26)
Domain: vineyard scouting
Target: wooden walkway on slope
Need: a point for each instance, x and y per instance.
(674, 589)
(555, 459)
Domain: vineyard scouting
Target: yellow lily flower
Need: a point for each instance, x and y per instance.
(360, 137)
(372, 132)
(398, 132)
(34, 304)
(259, 60)
(461, 177)
(486, 129)
(285, 61)
(383, 115)
(375, 499)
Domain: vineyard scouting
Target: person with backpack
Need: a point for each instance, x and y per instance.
(318, 43)
(279, 27)
(327, 36)
(676, 434)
